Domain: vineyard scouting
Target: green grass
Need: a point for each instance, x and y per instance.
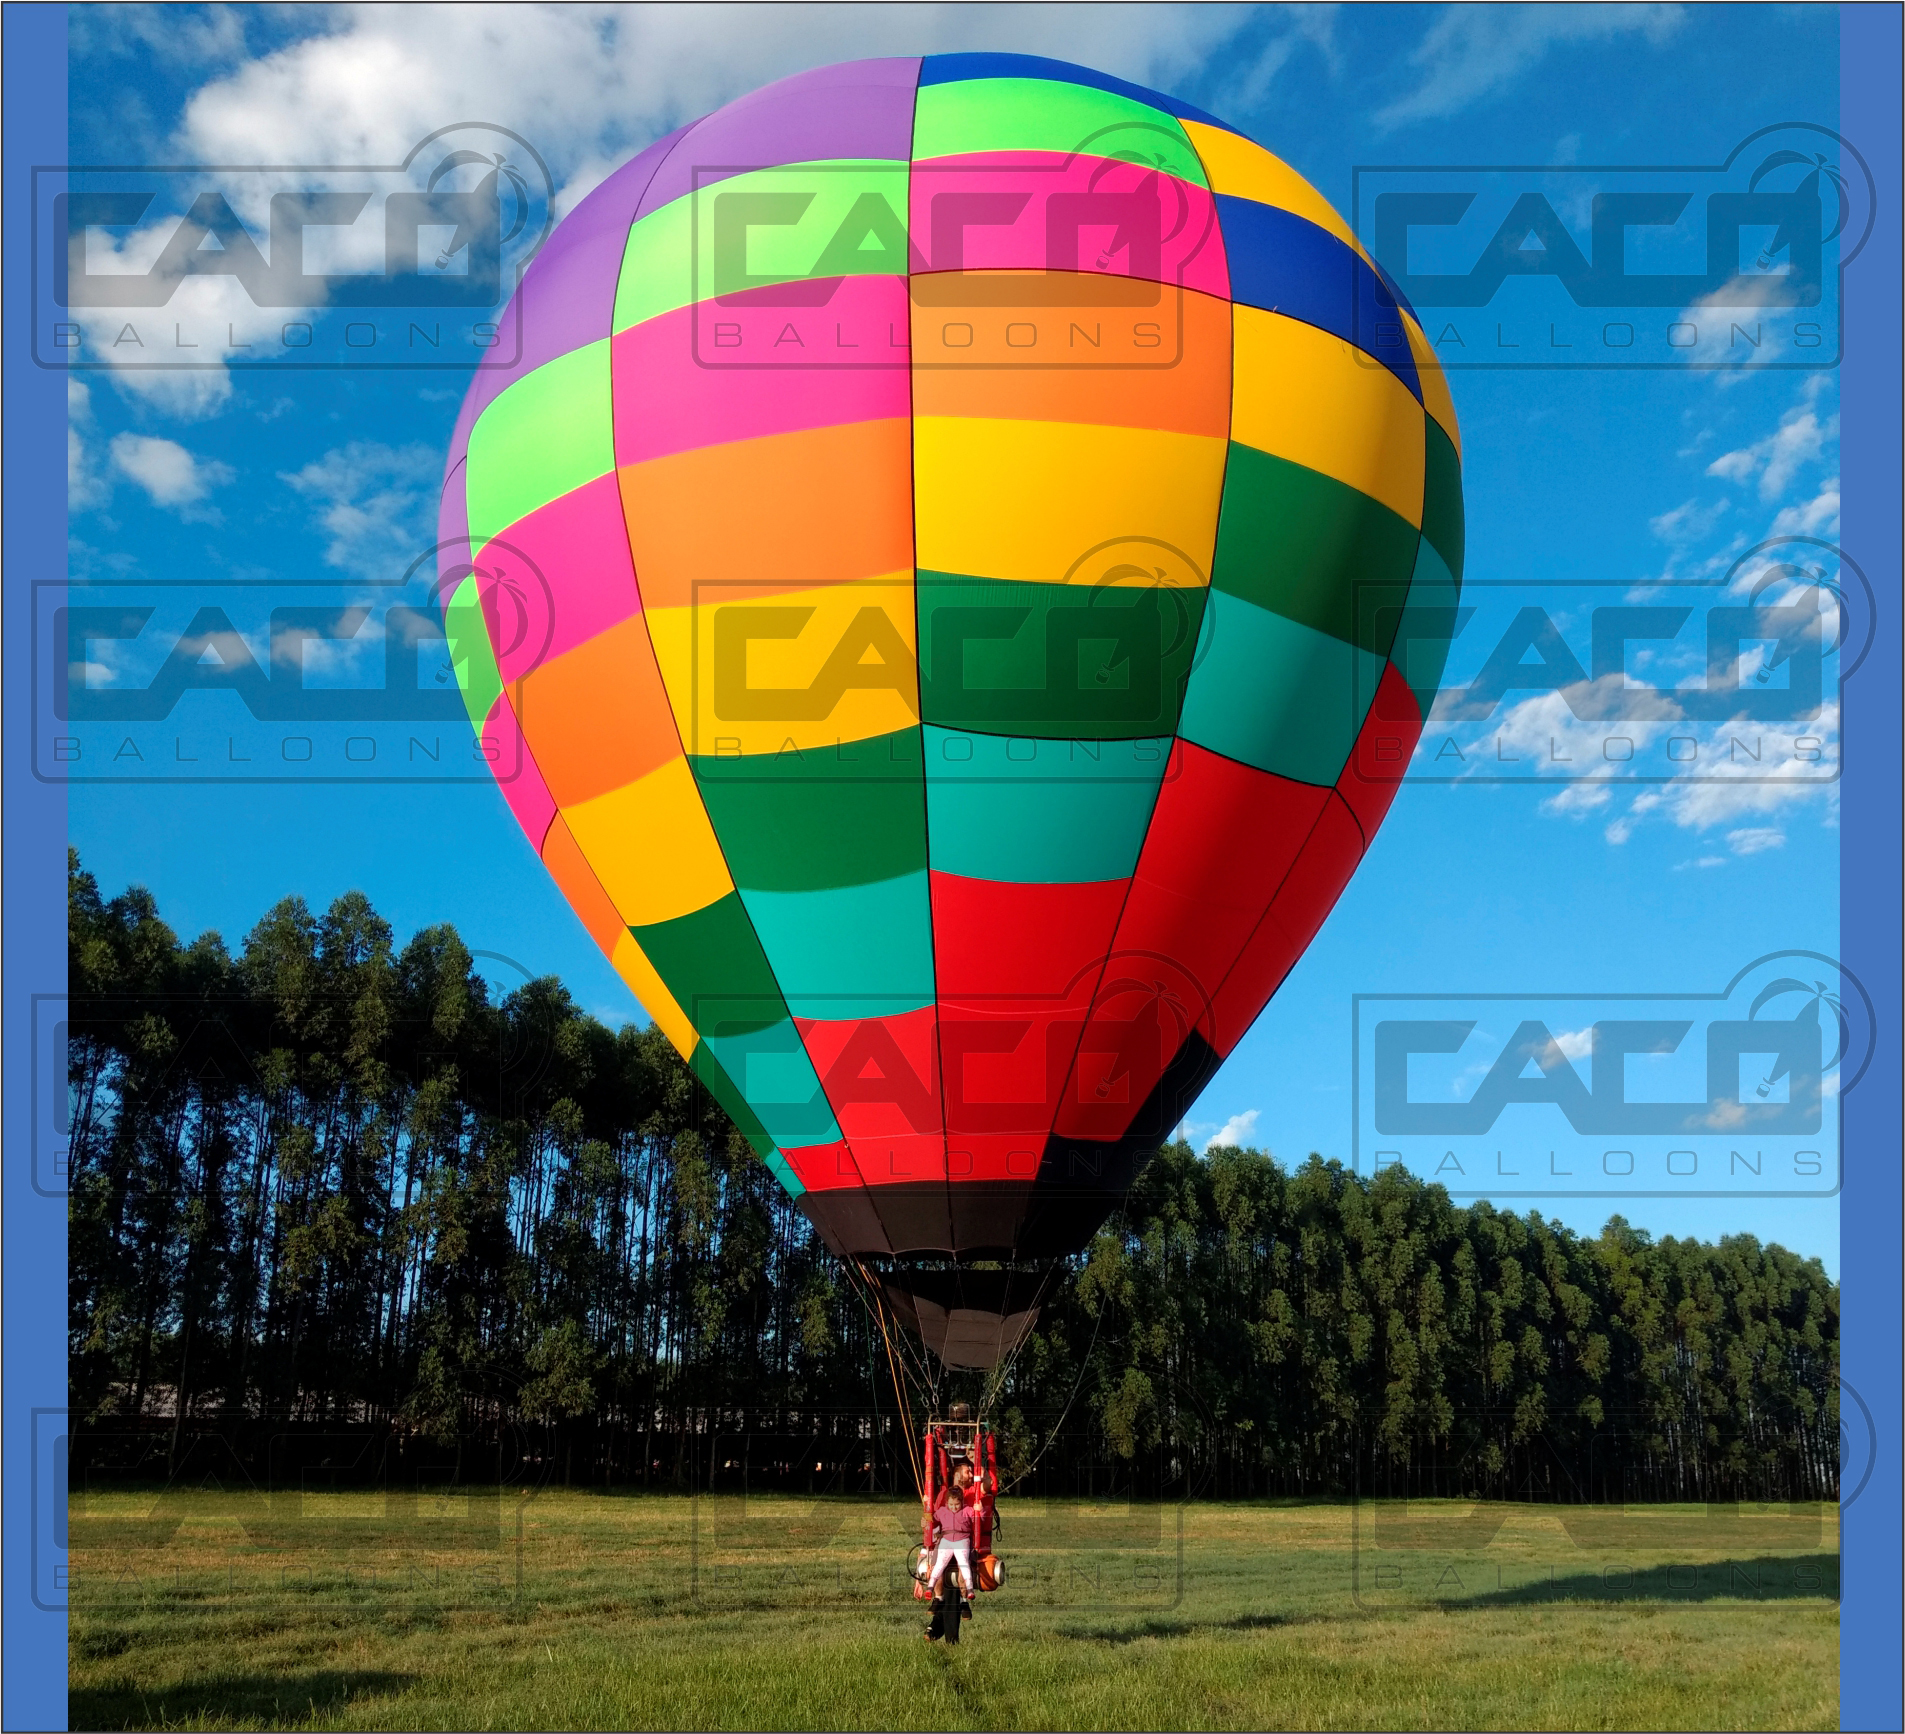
(592, 1610)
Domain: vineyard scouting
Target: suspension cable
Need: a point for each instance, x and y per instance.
(867, 1290)
(906, 1412)
(898, 1355)
(918, 1367)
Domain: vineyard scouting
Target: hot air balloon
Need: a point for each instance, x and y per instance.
(948, 563)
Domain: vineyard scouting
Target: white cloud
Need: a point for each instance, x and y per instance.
(1311, 27)
(1578, 742)
(84, 561)
(1569, 727)
(85, 486)
(1799, 440)
(1725, 799)
(1728, 324)
(80, 488)
(1818, 516)
(1234, 1131)
(374, 503)
(1579, 798)
(1688, 522)
(1803, 437)
(188, 36)
(1575, 1044)
(1686, 562)
(1731, 792)
(140, 347)
(587, 86)
(583, 82)
(1702, 806)
(1704, 861)
(170, 475)
(1470, 51)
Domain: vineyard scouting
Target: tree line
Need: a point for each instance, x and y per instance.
(325, 1180)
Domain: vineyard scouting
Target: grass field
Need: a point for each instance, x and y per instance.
(592, 1610)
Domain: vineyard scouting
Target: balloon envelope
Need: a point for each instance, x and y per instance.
(948, 580)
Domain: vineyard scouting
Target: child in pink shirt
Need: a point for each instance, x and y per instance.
(953, 1532)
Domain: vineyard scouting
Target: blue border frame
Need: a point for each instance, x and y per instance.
(35, 1639)
(33, 1396)
(1869, 881)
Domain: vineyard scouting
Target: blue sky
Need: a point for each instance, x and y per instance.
(1617, 478)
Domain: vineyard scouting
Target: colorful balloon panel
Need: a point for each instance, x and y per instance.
(949, 586)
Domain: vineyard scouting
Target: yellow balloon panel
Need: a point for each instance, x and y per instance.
(1028, 500)
(1306, 396)
(1246, 170)
(763, 669)
(652, 847)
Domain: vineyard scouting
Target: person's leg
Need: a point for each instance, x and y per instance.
(936, 1630)
(952, 1608)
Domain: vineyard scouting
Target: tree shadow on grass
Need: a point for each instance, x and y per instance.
(1130, 1634)
(1765, 1578)
(248, 1700)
